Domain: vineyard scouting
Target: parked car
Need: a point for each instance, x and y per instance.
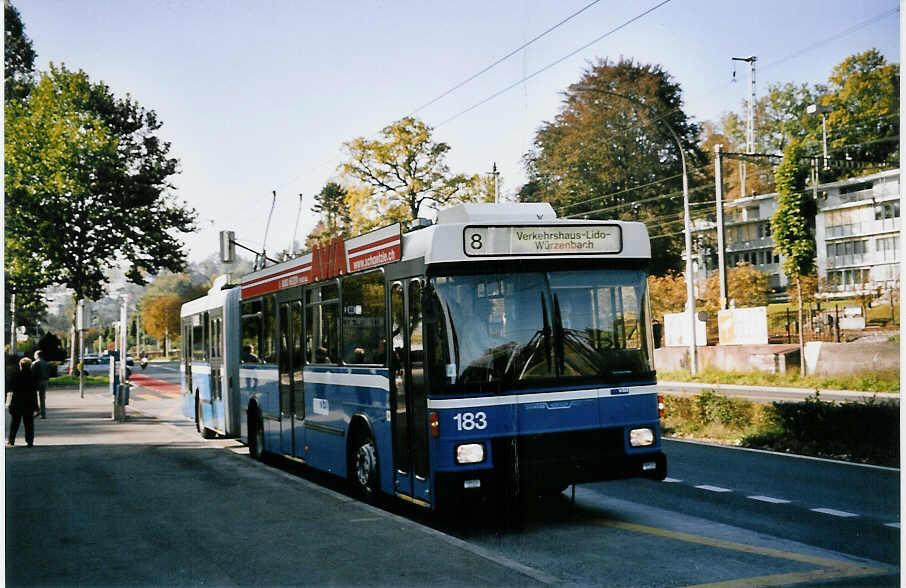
(106, 357)
(91, 359)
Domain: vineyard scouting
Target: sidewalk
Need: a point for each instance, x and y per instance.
(72, 420)
(147, 502)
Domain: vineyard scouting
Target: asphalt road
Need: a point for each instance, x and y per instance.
(147, 502)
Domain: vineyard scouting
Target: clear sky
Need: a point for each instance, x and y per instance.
(260, 96)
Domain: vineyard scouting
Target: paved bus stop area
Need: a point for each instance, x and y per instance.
(148, 502)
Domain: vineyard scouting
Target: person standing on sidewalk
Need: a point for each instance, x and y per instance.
(40, 369)
(24, 403)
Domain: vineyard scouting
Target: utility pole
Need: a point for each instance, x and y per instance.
(496, 175)
(721, 243)
(750, 121)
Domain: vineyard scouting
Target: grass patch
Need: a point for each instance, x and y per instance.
(864, 432)
(868, 381)
(67, 381)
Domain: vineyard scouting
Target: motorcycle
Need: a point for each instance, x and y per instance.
(143, 362)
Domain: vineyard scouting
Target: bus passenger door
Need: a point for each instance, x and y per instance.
(285, 367)
(408, 402)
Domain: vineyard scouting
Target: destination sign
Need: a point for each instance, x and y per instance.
(542, 240)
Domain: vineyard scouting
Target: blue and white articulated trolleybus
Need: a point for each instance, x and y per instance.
(209, 369)
(497, 350)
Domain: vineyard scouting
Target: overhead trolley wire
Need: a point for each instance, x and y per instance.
(834, 37)
(505, 57)
(552, 64)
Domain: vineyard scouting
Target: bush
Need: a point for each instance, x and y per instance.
(712, 415)
(865, 431)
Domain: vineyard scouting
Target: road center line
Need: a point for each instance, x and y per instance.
(713, 488)
(835, 513)
(769, 499)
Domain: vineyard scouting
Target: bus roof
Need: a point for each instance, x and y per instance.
(473, 232)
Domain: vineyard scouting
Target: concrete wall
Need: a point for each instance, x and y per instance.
(847, 358)
(731, 358)
(820, 358)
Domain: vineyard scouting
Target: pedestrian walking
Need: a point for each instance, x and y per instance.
(40, 369)
(24, 403)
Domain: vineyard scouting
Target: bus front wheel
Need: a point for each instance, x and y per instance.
(364, 472)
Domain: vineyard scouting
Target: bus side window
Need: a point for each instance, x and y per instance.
(363, 318)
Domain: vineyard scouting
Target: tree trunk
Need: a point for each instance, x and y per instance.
(801, 329)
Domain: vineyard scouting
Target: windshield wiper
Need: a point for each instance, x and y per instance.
(558, 339)
(546, 332)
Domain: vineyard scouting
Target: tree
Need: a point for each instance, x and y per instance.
(610, 153)
(21, 277)
(792, 223)
(18, 55)
(667, 293)
(331, 204)
(864, 122)
(406, 169)
(87, 185)
(160, 317)
(746, 286)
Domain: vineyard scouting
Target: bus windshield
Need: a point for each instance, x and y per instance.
(519, 328)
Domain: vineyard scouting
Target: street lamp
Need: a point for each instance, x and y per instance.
(687, 221)
(820, 108)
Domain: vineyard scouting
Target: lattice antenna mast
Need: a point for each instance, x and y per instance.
(750, 120)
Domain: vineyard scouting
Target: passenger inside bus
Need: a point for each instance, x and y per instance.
(248, 354)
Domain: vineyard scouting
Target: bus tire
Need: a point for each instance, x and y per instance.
(363, 470)
(256, 434)
(205, 432)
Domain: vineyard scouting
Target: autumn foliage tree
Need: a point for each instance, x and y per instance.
(611, 153)
(88, 186)
(746, 287)
(406, 169)
(667, 293)
(160, 317)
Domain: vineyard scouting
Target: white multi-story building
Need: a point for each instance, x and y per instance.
(857, 235)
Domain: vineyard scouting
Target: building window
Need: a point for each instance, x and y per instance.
(888, 248)
(847, 252)
(887, 210)
(845, 222)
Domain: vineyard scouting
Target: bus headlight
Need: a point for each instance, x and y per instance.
(641, 437)
(469, 453)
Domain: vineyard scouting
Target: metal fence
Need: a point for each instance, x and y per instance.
(821, 322)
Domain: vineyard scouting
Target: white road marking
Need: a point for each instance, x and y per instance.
(835, 513)
(713, 488)
(769, 499)
(894, 525)
(672, 480)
